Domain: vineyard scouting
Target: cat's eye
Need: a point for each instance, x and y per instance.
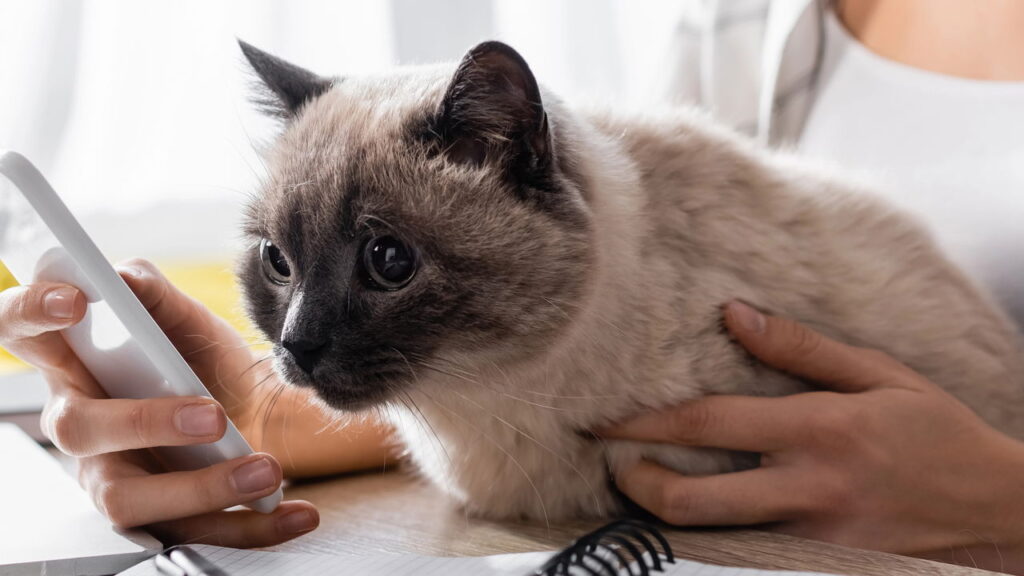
(389, 262)
(275, 265)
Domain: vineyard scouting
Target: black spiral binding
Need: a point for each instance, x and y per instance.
(624, 547)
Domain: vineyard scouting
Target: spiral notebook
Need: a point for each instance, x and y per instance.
(625, 547)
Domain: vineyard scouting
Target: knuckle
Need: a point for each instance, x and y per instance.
(835, 425)
(803, 343)
(83, 474)
(109, 499)
(140, 422)
(673, 504)
(885, 363)
(13, 304)
(835, 495)
(208, 491)
(63, 417)
(691, 422)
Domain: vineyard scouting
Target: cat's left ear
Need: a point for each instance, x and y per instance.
(288, 87)
(492, 112)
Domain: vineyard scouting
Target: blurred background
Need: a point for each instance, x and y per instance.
(138, 111)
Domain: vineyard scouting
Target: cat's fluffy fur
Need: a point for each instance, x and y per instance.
(573, 270)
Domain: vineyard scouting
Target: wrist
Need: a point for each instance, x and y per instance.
(989, 531)
(1006, 498)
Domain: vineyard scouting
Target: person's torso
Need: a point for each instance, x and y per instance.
(946, 149)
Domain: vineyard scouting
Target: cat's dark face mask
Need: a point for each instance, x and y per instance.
(419, 224)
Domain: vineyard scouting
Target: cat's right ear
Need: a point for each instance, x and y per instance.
(285, 86)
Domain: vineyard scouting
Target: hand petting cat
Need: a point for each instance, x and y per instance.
(880, 458)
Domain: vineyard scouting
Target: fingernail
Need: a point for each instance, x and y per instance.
(59, 303)
(132, 271)
(198, 420)
(253, 477)
(297, 522)
(751, 320)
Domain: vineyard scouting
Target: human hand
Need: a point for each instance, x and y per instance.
(881, 459)
(109, 436)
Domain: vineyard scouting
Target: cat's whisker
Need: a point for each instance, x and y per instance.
(262, 400)
(498, 392)
(215, 344)
(450, 365)
(275, 396)
(227, 389)
(515, 461)
(330, 427)
(597, 314)
(284, 436)
(422, 418)
(541, 445)
(256, 414)
(557, 396)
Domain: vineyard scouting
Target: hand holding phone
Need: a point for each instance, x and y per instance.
(117, 341)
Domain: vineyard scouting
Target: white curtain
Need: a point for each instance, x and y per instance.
(138, 112)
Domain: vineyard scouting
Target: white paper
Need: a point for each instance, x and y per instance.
(259, 563)
(49, 524)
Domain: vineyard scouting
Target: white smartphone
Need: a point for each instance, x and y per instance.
(118, 341)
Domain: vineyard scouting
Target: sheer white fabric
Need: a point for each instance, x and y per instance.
(137, 110)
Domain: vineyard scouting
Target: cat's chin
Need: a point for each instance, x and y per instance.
(340, 390)
(347, 401)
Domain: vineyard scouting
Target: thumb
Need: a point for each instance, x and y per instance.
(794, 348)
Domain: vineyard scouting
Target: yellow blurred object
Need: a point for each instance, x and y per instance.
(8, 363)
(6, 280)
(213, 284)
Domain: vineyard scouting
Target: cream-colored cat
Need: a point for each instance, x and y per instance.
(497, 276)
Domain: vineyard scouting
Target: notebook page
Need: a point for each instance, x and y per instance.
(261, 563)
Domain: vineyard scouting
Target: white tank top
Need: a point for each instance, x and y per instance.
(948, 149)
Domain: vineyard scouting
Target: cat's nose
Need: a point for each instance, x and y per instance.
(307, 353)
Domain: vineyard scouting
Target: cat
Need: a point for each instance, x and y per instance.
(497, 273)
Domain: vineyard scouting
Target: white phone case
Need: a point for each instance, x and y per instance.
(118, 341)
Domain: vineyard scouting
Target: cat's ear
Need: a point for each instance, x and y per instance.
(492, 112)
(287, 86)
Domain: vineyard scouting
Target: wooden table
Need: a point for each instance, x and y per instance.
(394, 512)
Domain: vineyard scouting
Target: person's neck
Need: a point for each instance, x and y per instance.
(979, 39)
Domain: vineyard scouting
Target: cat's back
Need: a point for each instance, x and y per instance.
(728, 219)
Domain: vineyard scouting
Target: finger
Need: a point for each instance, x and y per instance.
(241, 528)
(180, 317)
(753, 496)
(30, 311)
(731, 422)
(205, 340)
(32, 315)
(81, 426)
(794, 348)
(138, 500)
